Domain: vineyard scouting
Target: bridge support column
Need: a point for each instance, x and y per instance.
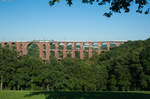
(47, 51)
(18, 48)
(56, 50)
(64, 50)
(81, 50)
(3, 44)
(24, 48)
(10, 45)
(90, 49)
(108, 46)
(117, 44)
(73, 50)
(99, 48)
(40, 45)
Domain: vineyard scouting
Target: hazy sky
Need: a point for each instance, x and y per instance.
(26, 20)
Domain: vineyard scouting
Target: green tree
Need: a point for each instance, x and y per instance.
(27, 71)
(8, 58)
(145, 61)
(114, 6)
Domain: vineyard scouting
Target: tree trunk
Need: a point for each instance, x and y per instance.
(47, 87)
(1, 82)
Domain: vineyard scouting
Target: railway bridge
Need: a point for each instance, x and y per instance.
(46, 47)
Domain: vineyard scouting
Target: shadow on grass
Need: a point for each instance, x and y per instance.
(91, 95)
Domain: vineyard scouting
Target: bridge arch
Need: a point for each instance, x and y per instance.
(33, 49)
(44, 48)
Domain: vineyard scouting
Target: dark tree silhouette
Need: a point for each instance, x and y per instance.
(115, 6)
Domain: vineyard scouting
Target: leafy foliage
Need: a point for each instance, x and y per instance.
(116, 6)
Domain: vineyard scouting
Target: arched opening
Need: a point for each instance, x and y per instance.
(86, 46)
(13, 45)
(33, 49)
(112, 45)
(52, 54)
(104, 46)
(61, 47)
(95, 48)
(77, 54)
(69, 54)
(69, 48)
(44, 54)
(6, 45)
(94, 53)
(77, 48)
(44, 50)
(52, 46)
(44, 46)
(60, 54)
(52, 50)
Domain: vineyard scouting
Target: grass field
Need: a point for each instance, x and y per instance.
(73, 95)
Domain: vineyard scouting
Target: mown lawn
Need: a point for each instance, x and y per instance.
(73, 95)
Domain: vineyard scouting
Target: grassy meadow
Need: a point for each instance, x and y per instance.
(73, 95)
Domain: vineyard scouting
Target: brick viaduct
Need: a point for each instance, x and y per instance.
(45, 48)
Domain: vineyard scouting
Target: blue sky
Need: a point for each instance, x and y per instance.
(26, 20)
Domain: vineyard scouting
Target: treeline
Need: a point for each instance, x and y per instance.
(123, 68)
